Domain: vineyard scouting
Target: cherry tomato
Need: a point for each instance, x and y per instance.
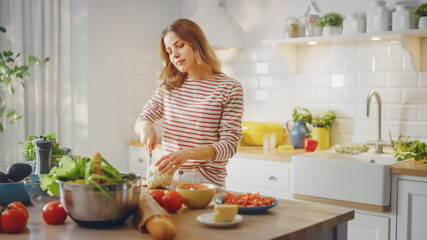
(18, 204)
(157, 195)
(13, 220)
(172, 201)
(54, 213)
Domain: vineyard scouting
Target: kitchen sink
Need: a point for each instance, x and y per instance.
(362, 178)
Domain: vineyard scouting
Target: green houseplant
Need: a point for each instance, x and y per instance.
(421, 13)
(11, 74)
(321, 129)
(421, 10)
(331, 23)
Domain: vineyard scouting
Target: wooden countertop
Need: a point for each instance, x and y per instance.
(288, 220)
(253, 152)
(410, 167)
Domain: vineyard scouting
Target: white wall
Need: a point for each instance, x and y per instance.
(117, 30)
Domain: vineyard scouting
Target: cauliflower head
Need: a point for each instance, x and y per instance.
(156, 179)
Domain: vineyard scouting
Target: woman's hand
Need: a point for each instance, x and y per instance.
(146, 133)
(173, 160)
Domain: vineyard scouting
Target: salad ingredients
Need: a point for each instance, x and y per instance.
(83, 168)
(156, 179)
(172, 201)
(18, 204)
(248, 199)
(351, 148)
(406, 149)
(30, 152)
(54, 213)
(158, 195)
(13, 219)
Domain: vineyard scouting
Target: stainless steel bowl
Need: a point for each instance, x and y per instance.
(89, 207)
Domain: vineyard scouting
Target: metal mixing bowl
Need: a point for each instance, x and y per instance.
(89, 207)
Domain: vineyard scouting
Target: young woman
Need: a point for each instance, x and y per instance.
(201, 108)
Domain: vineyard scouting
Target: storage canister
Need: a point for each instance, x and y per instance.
(377, 19)
(310, 26)
(403, 18)
(291, 27)
(353, 24)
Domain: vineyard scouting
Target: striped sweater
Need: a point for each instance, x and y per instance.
(201, 113)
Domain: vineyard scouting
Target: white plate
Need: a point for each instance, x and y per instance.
(208, 219)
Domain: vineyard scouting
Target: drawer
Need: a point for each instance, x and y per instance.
(266, 177)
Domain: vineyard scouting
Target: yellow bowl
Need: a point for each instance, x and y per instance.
(253, 132)
(196, 195)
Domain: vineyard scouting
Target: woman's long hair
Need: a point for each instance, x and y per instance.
(190, 32)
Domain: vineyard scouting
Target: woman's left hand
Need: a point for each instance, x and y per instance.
(173, 161)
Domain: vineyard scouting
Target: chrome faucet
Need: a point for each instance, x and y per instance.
(379, 143)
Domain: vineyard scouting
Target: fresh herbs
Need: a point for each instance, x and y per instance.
(406, 149)
(330, 19)
(421, 10)
(325, 121)
(302, 114)
(30, 152)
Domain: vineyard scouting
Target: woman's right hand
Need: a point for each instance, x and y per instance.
(146, 133)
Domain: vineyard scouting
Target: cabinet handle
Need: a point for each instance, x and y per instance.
(271, 178)
(140, 160)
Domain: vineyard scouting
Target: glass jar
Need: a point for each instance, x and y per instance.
(310, 26)
(291, 27)
(403, 18)
(377, 19)
(353, 24)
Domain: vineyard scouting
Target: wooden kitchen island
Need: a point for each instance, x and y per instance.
(287, 220)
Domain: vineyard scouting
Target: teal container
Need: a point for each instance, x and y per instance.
(297, 133)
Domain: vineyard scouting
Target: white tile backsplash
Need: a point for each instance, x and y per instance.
(337, 76)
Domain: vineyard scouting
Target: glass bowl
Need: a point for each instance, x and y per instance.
(37, 196)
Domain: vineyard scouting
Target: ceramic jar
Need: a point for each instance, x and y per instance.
(377, 19)
(331, 30)
(353, 24)
(403, 18)
(422, 24)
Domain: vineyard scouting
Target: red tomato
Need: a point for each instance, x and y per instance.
(54, 213)
(172, 201)
(310, 145)
(13, 220)
(158, 195)
(18, 204)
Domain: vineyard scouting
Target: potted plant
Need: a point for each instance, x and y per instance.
(331, 23)
(12, 74)
(321, 129)
(421, 13)
(300, 117)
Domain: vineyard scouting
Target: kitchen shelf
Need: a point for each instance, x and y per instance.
(410, 41)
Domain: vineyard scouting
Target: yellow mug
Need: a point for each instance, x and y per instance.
(321, 134)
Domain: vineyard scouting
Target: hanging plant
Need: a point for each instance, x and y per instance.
(11, 74)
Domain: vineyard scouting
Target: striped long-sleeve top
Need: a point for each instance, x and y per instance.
(201, 113)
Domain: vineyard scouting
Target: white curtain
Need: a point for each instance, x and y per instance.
(41, 28)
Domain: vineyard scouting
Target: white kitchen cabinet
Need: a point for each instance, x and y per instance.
(138, 159)
(266, 177)
(410, 40)
(411, 209)
(368, 227)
